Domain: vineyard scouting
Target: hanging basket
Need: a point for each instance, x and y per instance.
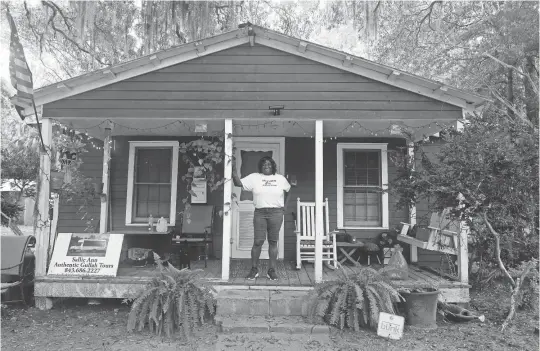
(57, 180)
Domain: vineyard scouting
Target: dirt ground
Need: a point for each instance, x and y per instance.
(74, 325)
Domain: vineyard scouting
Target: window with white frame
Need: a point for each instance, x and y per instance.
(362, 177)
(152, 181)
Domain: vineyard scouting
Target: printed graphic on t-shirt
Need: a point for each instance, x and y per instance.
(267, 189)
(269, 182)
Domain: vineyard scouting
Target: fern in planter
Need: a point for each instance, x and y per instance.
(354, 300)
(176, 300)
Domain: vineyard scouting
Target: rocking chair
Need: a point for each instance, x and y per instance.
(305, 235)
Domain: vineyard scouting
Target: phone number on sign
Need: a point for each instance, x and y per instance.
(82, 270)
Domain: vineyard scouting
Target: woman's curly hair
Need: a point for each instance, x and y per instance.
(263, 160)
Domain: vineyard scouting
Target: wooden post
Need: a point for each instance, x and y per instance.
(54, 223)
(463, 254)
(412, 209)
(227, 200)
(104, 214)
(43, 222)
(319, 223)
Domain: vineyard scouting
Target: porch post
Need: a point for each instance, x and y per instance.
(319, 224)
(412, 208)
(227, 200)
(463, 254)
(104, 214)
(43, 222)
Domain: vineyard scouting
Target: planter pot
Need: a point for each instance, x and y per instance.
(57, 180)
(421, 309)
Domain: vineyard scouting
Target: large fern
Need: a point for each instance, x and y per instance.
(174, 301)
(354, 300)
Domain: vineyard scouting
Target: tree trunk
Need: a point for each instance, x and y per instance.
(510, 90)
(531, 98)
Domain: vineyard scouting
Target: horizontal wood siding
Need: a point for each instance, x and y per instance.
(72, 219)
(119, 173)
(429, 258)
(242, 82)
(300, 161)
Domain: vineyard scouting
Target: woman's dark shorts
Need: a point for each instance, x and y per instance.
(267, 220)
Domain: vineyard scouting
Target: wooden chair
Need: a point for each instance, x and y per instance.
(17, 263)
(197, 230)
(305, 235)
(442, 234)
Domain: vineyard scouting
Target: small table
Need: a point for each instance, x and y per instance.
(347, 250)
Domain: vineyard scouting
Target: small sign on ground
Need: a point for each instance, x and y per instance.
(390, 326)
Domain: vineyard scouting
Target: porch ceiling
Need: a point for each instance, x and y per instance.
(289, 128)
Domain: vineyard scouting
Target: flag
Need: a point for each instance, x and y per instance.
(21, 76)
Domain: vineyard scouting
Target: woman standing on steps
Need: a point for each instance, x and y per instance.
(270, 191)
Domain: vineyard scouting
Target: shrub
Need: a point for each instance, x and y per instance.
(11, 209)
(354, 300)
(173, 301)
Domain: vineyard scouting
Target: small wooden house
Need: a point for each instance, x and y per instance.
(322, 114)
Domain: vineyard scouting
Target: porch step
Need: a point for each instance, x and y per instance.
(273, 342)
(262, 303)
(267, 324)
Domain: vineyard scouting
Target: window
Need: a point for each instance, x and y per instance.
(152, 181)
(361, 178)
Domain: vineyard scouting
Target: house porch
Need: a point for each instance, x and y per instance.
(130, 280)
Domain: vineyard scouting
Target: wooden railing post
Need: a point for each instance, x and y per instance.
(43, 222)
(227, 200)
(319, 222)
(104, 213)
(412, 208)
(463, 253)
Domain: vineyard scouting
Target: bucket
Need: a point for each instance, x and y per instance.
(421, 309)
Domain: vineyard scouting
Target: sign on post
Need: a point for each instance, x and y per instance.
(86, 254)
(390, 326)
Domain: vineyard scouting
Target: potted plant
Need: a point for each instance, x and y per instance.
(354, 300)
(175, 300)
(421, 305)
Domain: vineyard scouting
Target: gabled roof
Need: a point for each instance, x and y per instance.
(254, 34)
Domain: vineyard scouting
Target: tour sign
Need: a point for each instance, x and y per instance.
(88, 254)
(390, 326)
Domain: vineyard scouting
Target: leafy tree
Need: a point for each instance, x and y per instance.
(488, 174)
(484, 46)
(19, 149)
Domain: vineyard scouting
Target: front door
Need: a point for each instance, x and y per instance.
(249, 151)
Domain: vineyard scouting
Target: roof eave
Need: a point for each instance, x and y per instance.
(357, 65)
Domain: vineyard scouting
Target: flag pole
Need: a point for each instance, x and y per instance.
(39, 128)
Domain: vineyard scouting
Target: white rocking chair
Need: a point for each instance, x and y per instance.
(305, 235)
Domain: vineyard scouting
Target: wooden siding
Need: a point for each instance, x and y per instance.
(70, 218)
(242, 82)
(428, 258)
(300, 161)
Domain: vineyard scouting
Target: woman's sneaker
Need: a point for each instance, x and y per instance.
(254, 273)
(271, 274)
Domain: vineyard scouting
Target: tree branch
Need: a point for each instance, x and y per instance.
(498, 251)
(526, 75)
(67, 37)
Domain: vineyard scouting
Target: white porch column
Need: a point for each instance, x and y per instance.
(227, 200)
(463, 254)
(43, 222)
(412, 209)
(319, 221)
(104, 214)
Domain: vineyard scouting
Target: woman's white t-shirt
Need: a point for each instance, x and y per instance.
(267, 189)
